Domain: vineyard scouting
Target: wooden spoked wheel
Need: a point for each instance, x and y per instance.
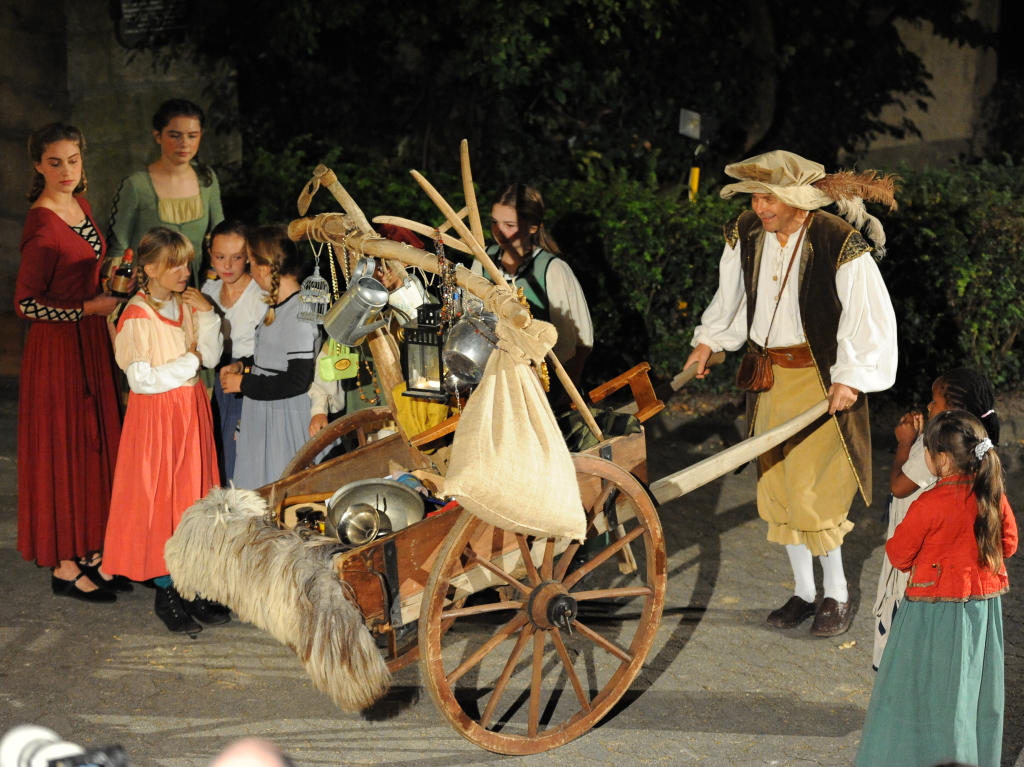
(360, 423)
(531, 673)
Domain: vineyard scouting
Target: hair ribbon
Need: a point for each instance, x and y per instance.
(982, 447)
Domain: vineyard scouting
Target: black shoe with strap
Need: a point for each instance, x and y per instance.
(63, 588)
(118, 583)
(170, 608)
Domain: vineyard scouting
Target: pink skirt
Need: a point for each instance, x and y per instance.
(167, 461)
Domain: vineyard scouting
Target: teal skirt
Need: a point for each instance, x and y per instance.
(939, 695)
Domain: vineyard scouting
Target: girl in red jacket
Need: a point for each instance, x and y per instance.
(939, 692)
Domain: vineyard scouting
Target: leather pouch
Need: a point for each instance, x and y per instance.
(755, 372)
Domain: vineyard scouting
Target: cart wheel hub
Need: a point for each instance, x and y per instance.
(550, 606)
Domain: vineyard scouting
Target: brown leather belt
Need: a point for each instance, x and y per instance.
(792, 356)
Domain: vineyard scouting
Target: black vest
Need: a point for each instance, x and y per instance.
(828, 243)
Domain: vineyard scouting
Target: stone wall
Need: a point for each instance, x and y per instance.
(61, 61)
(33, 92)
(952, 126)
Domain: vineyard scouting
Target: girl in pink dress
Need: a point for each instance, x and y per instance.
(167, 459)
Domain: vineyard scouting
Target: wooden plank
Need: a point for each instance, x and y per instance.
(675, 485)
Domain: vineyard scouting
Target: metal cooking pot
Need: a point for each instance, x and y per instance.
(397, 503)
(469, 345)
(360, 523)
(350, 319)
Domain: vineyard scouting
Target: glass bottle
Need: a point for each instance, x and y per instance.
(122, 280)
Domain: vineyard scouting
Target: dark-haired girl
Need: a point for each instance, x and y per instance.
(959, 389)
(939, 692)
(275, 381)
(177, 191)
(528, 258)
(69, 425)
(238, 299)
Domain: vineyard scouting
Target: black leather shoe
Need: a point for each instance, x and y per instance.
(63, 588)
(206, 611)
(792, 614)
(118, 584)
(169, 608)
(832, 618)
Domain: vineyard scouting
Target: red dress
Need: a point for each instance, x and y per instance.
(69, 423)
(168, 457)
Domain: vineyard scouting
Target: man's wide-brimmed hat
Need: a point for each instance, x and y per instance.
(803, 184)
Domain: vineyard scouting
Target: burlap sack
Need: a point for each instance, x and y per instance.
(509, 464)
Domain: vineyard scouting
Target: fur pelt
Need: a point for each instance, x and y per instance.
(228, 548)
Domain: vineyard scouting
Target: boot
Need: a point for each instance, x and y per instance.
(170, 609)
(206, 611)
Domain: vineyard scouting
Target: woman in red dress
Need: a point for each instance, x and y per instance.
(68, 418)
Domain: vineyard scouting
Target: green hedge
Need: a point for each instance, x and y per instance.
(648, 257)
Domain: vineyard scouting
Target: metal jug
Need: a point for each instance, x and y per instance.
(350, 319)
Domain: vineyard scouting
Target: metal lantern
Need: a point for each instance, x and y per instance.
(421, 355)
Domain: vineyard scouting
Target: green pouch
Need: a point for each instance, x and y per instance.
(338, 363)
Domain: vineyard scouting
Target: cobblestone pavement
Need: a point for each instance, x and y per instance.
(719, 688)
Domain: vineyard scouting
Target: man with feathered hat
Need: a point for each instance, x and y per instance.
(801, 284)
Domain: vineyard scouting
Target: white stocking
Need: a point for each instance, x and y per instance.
(802, 562)
(834, 579)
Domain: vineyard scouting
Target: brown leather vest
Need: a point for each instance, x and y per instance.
(829, 243)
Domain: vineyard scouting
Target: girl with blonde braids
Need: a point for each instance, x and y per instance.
(275, 381)
(167, 459)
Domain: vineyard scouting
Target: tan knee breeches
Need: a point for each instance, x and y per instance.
(805, 485)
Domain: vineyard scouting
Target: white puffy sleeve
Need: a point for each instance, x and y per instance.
(569, 311)
(143, 378)
(867, 355)
(723, 325)
(211, 341)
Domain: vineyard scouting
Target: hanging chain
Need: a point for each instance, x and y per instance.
(449, 286)
(334, 273)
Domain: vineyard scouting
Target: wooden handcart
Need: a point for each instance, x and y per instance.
(568, 624)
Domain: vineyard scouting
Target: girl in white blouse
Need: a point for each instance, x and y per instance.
(238, 299)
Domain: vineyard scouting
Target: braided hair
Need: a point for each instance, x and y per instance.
(958, 434)
(271, 246)
(164, 248)
(969, 390)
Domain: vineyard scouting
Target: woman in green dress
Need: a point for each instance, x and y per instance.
(177, 191)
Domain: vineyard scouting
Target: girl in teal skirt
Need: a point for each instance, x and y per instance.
(939, 692)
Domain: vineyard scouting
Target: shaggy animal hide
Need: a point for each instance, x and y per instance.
(227, 548)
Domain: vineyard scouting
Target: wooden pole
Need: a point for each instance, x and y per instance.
(499, 279)
(331, 227)
(675, 485)
(470, 192)
(445, 226)
(464, 233)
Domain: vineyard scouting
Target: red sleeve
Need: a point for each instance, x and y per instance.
(1009, 530)
(40, 254)
(906, 541)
